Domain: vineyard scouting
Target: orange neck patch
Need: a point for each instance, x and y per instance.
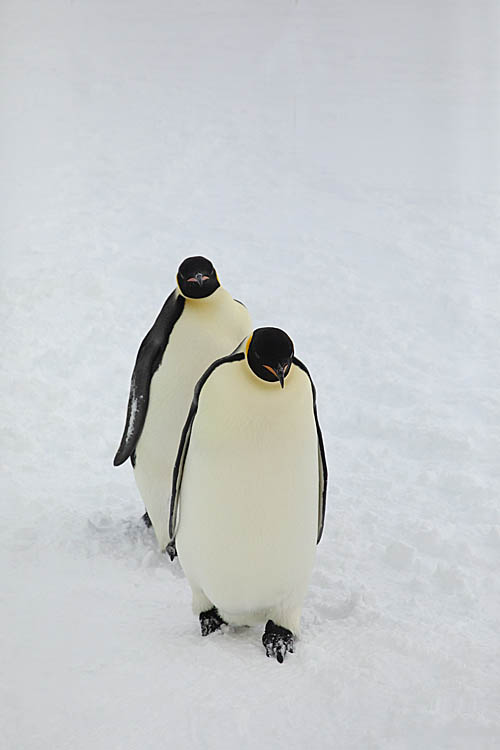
(248, 345)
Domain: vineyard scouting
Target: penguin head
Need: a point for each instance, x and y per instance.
(270, 354)
(197, 278)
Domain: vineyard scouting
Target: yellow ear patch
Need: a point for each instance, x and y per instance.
(217, 277)
(249, 341)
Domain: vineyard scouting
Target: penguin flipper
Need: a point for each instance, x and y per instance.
(147, 362)
(185, 438)
(323, 468)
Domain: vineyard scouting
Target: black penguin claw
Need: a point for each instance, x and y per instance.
(146, 520)
(210, 621)
(278, 641)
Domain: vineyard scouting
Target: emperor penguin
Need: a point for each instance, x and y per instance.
(249, 490)
(199, 322)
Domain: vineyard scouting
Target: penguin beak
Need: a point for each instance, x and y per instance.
(198, 278)
(279, 373)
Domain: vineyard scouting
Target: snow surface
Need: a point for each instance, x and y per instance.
(340, 164)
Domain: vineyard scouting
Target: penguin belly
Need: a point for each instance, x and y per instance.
(207, 329)
(249, 498)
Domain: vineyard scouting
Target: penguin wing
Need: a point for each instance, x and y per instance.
(323, 469)
(148, 360)
(185, 438)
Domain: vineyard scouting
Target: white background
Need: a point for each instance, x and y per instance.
(340, 164)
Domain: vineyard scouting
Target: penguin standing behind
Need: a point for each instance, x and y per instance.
(249, 490)
(199, 322)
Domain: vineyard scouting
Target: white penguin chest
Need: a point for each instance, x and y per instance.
(249, 495)
(204, 332)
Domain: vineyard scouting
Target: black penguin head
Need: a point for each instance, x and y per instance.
(197, 278)
(270, 354)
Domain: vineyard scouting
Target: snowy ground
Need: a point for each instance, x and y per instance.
(340, 164)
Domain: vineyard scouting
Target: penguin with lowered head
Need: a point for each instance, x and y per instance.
(198, 323)
(249, 490)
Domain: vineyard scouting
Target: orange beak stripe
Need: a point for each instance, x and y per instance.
(268, 367)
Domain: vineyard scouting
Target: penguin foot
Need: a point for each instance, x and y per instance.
(210, 621)
(277, 641)
(146, 520)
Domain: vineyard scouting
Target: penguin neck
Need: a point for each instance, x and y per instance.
(214, 300)
(265, 386)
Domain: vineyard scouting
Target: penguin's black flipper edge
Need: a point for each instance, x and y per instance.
(186, 436)
(323, 468)
(171, 551)
(147, 362)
